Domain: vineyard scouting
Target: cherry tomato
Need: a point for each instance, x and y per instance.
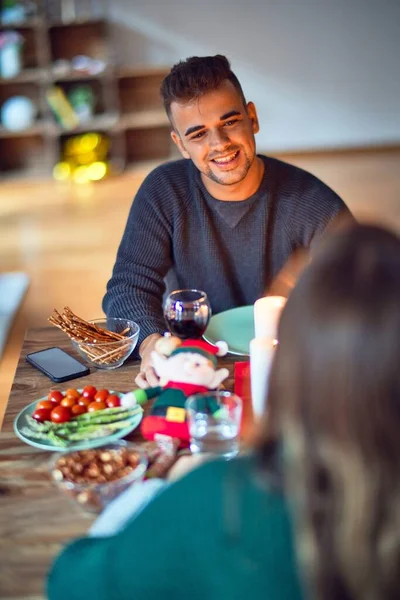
(47, 404)
(42, 414)
(68, 402)
(113, 401)
(101, 395)
(78, 409)
(72, 393)
(89, 391)
(97, 405)
(55, 396)
(84, 401)
(60, 414)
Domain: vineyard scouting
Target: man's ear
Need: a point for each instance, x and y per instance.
(252, 114)
(177, 140)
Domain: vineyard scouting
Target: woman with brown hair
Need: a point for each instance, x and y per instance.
(325, 479)
(335, 400)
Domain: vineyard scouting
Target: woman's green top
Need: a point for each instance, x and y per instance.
(216, 534)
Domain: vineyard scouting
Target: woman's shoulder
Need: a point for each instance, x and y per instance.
(241, 474)
(205, 491)
(214, 469)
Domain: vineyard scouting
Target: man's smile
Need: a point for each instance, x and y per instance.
(226, 160)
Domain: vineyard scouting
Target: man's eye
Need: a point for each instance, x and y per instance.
(198, 135)
(231, 122)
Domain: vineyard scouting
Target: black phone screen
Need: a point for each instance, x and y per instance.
(57, 364)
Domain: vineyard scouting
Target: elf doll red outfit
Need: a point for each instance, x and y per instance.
(189, 369)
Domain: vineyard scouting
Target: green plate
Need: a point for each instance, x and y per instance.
(235, 327)
(20, 423)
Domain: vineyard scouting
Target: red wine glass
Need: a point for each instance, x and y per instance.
(187, 313)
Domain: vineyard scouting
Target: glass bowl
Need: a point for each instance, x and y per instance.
(110, 355)
(94, 477)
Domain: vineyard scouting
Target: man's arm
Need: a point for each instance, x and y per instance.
(287, 277)
(136, 287)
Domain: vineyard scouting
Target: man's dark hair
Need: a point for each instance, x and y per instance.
(191, 78)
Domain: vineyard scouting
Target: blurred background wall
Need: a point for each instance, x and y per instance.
(323, 73)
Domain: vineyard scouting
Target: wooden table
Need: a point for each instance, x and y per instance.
(36, 519)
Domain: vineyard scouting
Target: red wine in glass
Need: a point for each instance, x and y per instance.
(187, 313)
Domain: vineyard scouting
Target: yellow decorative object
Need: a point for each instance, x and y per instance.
(61, 108)
(80, 175)
(175, 414)
(97, 170)
(89, 141)
(62, 171)
(84, 158)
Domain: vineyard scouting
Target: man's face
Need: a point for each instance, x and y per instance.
(217, 132)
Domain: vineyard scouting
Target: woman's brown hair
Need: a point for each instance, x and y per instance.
(335, 402)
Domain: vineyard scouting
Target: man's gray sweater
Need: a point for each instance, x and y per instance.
(178, 236)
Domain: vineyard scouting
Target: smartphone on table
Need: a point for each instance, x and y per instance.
(57, 364)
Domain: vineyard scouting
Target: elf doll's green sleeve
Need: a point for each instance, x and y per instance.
(142, 396)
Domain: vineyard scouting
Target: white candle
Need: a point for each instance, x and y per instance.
(261, 355)
(266, 316)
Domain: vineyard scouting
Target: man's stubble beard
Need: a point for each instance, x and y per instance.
(208, 172)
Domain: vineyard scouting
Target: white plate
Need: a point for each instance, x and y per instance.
(235, 327)
(20, 423)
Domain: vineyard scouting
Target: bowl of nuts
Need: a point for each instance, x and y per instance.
(96, 476)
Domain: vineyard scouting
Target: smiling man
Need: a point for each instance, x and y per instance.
(223, 219)
(216, 130)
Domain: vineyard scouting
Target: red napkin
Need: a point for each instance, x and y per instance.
(242, 389)
(242, 379)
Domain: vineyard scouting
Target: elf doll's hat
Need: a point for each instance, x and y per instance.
(210, 351)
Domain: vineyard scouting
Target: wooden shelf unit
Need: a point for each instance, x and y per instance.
(128, 107)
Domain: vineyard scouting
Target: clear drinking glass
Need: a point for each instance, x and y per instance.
(187, 313)
(214, 422)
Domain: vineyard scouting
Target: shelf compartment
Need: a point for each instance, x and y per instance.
(96, 86)
(86, 156)
(22, 153)
(144, 119)
(140, 92)
(30, 51)
(147, 144)
(103, 123)
(87, 38)
(30, 90)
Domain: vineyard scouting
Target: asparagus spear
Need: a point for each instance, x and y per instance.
(107, 415)
(95, 424)
(48, 437)
(98, 431)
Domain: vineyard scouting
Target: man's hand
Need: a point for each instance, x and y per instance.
(286, 279)
(147, 376)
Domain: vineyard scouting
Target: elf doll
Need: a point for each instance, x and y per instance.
(184, 368)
